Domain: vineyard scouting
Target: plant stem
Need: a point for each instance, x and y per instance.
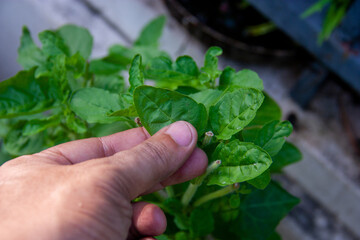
(207, 139)
(138, 122)
(92, 80)
(161, 195)
(189, 193)
(217, 194)
(193, 186)
(170, 191)
(212, 167)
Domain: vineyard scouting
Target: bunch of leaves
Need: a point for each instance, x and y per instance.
(61, 96)
(336, 10)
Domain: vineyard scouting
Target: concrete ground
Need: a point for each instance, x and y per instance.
(327, 178)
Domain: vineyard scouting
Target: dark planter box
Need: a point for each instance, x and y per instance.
(340, 54)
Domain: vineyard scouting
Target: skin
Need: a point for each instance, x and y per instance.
(83, 189)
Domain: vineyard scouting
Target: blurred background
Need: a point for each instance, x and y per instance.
(308, 58)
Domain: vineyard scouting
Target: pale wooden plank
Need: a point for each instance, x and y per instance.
(131, 15)
(69, 11)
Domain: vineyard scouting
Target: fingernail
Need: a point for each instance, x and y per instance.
(181, 133)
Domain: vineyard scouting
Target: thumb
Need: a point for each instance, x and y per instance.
(155, 159)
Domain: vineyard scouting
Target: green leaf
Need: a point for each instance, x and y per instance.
(162, 69)
(234, 111)
(130, 111)
(111, 83)
(158, 108)
(101, 130)
(262, 181)
(53, 44)
(121, 55)
(274, 236)
(35, 126)
(249, 134)
(335, 14)
(234, 201)
(24, 95)
(29, 54)
(247, 79)
(104, 67)
(207, 97)
(174, 207)
(76, 65)
(201, 222)
(59, 84)
(151, 33)
(4, 127)
(186, 90)
(271, 136)
(95, 105)
(75, 124)
(162, 237)
(268, 112)
(225, 77)
(227, 208)
(187, 66)
(211, 62)
(261, 211)
(288, 154)
(240, 162)
(316, 7)
(244, 78)
(136, 77)
(77, 39)
(4, 156)
(16, 144)
(181, 236)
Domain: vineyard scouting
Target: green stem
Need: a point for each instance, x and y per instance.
(214, 83)
(86, 74)
(217, 194)
(189, 193)
(193, 186)
(170, 191)
(161, 195)
(207, 139)
(71, 134)
(212, 167)
(92, 80)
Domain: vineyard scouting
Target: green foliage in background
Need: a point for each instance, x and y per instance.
(61, 96)
(336, 10)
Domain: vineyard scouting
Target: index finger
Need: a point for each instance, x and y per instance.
(82, 150)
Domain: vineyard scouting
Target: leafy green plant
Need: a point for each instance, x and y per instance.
(335, 13)
(61, 96)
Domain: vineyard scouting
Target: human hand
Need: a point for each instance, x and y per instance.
(83, 189)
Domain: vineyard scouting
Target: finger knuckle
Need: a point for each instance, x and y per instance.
(158, 152)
